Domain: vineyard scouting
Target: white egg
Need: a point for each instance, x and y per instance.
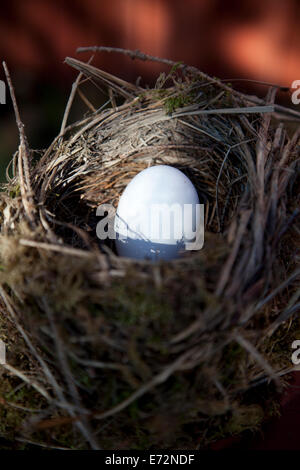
(156, 214)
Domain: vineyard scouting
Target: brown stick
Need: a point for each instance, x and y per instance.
(137, 54)
(70, 101)
(24, 173)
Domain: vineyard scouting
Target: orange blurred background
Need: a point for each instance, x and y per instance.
(251, 38)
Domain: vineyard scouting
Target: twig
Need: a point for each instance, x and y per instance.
(220, 172)
(69, 104)
(61, 402)
(25, 184)
(86, 101)
(62, 359)
(20, 124)
(30, 382)
(238, 110)
(146, 57)
(233, 254)
(27, 340)
(257, 356)
(284, 284)
(40, 444)
(122, 87)
(70, 101)
(59, 248)
(158, 379)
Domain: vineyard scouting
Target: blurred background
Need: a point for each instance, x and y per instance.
(253, 39)
(232, 39)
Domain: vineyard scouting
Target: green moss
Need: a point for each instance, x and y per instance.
(11, 417)
(244, 418)
(130, 305)
(15, 191)
(178, 101)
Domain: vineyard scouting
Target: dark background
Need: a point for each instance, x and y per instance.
(253, 39)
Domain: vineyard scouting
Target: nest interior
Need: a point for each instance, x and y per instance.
(107, 352)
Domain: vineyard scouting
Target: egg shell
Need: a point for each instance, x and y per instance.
(149, 222)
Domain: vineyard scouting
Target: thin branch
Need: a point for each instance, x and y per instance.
(146, 57)
(158, 379)
(70, 101)
(69, 104)
(244, 343)
(23, 163)
(82, 424)
(27, 380)
(20, 124)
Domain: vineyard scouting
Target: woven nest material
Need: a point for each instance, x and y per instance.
(109, 352)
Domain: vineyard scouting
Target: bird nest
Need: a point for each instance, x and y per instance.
(108, 352)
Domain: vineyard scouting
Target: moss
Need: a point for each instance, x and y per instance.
(11, 417)
(66, 436)
(244, 418)
(129, 305)
(178, 101)
(278, 346)
(15, 191)
(238, 421)
(232, 356)
(83, 377)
